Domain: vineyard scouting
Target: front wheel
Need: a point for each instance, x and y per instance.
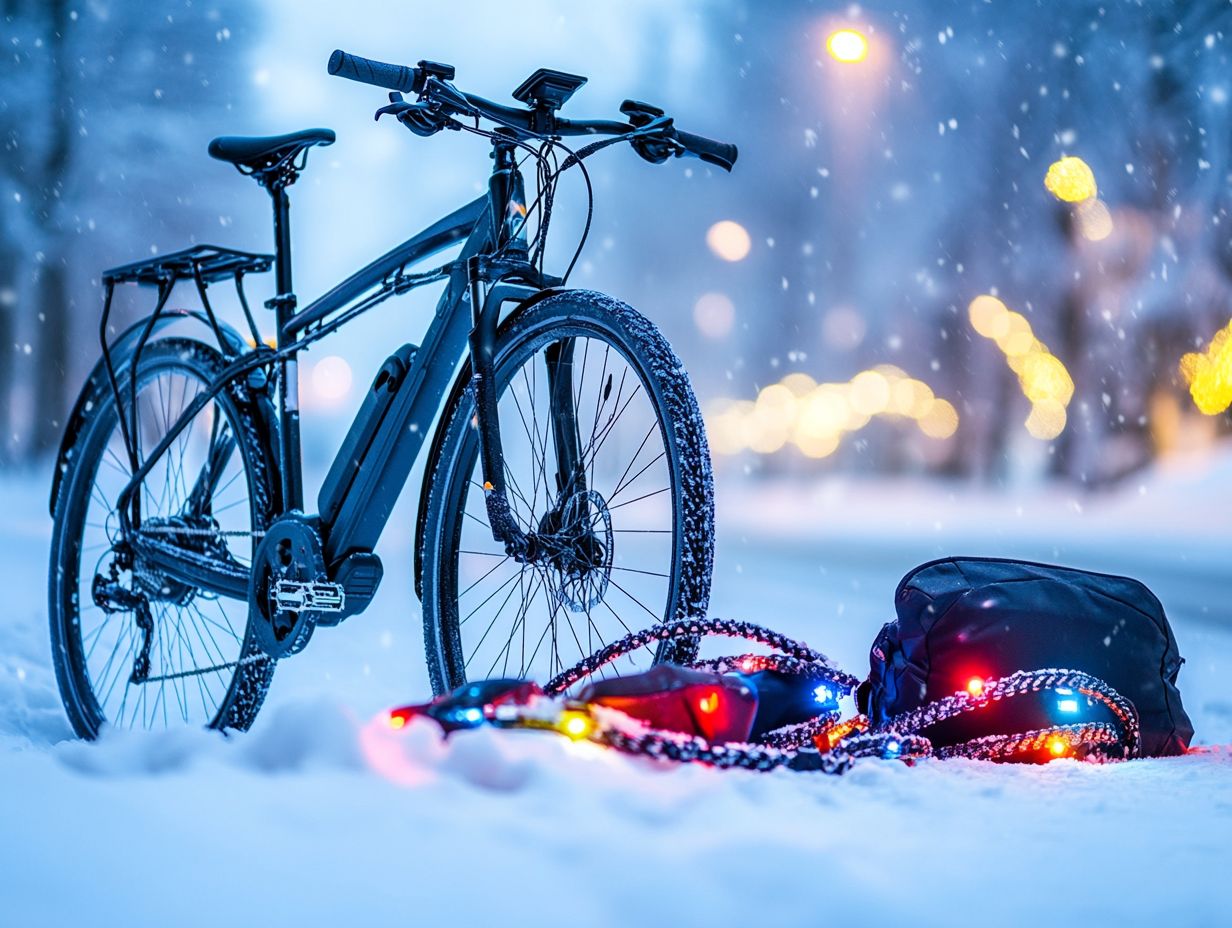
(605, 455)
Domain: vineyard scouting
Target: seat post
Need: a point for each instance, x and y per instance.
(282, 241)
(284, 308)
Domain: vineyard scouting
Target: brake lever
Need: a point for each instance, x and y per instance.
(397, 106)
(420, 118)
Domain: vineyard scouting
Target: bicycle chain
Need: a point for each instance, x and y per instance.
(199, 532)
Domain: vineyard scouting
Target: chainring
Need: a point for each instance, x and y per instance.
(290, 550)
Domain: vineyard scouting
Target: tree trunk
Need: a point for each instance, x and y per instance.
(51, 295)
(51, 387)
(9, 270)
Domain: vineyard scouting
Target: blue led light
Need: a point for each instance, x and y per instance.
(1067, 705)
(823, 694)
(891, 749)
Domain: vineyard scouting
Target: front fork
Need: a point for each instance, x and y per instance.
(520, 545)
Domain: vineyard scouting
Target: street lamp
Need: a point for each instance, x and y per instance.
(847, 45)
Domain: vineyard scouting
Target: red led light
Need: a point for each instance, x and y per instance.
(975, 686)
(709, 703)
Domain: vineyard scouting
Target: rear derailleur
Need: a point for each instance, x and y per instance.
(112, 596)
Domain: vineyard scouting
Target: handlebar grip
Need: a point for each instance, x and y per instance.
(720, 154)
(377, 73)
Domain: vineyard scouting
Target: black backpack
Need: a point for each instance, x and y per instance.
(965, 620)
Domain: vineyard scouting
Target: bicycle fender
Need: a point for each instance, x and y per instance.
(121, 354)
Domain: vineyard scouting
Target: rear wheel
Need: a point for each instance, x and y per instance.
(133, 648)
(631, 527)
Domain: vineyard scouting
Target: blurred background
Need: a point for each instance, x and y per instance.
(981, 241)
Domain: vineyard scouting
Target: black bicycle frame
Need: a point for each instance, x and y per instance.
(465, 320)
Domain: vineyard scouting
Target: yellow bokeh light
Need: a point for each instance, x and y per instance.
(940, 421)
(1071, 180)
(870, 392)
(799, 384)
(1093, 220)
(729, 240)
(1046, 420)
(847, 46)
(1044, 377)
(814, 417)
(1209, 373)
(824, 412)
(817, 446)
(1018, 338)
(989, 316)
(776, 404)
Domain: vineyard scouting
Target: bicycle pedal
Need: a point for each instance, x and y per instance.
(316, 596)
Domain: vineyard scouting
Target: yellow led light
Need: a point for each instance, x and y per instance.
(396, 721)
(576, 725)
(1058, 746)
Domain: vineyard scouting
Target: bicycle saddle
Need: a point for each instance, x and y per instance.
(262, 151)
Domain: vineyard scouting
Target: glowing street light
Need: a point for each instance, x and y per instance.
(847, 46)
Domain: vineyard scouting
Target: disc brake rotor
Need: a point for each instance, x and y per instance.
(585, 569)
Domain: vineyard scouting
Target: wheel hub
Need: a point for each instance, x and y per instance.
(198, 534)
(575, 542)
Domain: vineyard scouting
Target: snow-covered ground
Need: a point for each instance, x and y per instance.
(319, 817)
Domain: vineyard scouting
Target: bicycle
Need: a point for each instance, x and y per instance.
(567, 485)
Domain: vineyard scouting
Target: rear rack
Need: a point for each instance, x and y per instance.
(201, 264)
(208, 262)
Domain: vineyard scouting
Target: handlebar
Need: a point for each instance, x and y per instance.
(378, 73)
(430, 80)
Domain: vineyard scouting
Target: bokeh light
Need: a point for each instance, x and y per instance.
(1046, 420)
(814, 417)
(714, 315)
(729, 240)
(940, 420)
(1209, 373)
(331, 380)
(847, 45)
(1045, 381)
(1071, 180)
(1093, 220)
